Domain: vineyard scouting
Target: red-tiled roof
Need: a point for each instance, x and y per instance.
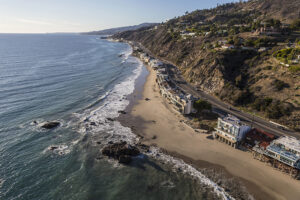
(257, 133)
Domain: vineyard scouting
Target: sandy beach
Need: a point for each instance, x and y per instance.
(159, 124)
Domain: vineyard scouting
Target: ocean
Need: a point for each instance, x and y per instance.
(80, 81)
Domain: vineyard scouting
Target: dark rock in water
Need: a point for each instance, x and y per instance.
(110, 119)
(50, 125)
(150, 187)
(93, 124)
(122, 112)
(121, 55)
(35, 122)
(143, 147)
(125, 159)
(121, 151)
(52, 148)
(99, 158)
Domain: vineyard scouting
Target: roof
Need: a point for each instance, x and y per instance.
(232, 120)
(289, 142)
(257, 132)
(264, 138)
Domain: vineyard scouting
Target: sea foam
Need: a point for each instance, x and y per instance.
(113, 102)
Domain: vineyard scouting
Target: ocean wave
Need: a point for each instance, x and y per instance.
(1, 182)
(61, 149)
(95, 120)
(126, 54)
(179, 165)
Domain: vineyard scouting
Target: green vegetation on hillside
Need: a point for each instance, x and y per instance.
(201, 105)
(229, 51)
(287, 55)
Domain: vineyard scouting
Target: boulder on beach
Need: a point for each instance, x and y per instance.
(50, 125)
(121, 151)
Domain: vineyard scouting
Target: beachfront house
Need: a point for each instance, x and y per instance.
(230, 130)
(156, 64)
(259, 138)
(286, 150)
(181, 103)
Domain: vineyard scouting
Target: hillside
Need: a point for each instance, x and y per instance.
(285, 10)
(120, 29)
(246, 54)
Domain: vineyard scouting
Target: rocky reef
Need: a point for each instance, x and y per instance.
(121, 151)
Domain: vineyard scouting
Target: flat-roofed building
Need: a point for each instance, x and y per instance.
(230, 130)
(286, 150)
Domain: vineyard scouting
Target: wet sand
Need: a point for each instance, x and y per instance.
(157, 123)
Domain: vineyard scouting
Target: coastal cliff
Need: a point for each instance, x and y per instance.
(229, 52)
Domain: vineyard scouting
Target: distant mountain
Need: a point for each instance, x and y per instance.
(121, 29)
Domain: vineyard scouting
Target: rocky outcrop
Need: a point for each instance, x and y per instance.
(121, 151)
(50, 125)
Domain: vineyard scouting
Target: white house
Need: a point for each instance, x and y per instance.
(286, 150)
(230, 130)
(228, 46)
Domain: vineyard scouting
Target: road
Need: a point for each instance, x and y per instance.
(221, 107)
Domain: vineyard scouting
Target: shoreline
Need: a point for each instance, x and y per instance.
(180, 141)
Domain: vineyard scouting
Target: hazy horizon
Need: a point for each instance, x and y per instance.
(76, 16)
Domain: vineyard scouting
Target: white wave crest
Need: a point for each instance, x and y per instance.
(101, 118)
(178, 164)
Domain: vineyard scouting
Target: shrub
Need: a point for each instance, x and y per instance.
(238, 80)
(269, 67)
(295, 24)
(243, 97)
(261, 104)
(279, 85)
(294, 69)
(201, 105)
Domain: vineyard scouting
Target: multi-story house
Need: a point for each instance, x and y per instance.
(230, 130)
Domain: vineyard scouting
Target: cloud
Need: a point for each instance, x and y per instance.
(38, 22)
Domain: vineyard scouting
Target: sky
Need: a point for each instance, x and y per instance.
(48, 16)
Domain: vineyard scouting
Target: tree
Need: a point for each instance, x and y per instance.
(295, 25)
(236, 41)
(201, 105)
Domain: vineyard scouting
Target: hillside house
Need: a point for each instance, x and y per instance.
(228, 46)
